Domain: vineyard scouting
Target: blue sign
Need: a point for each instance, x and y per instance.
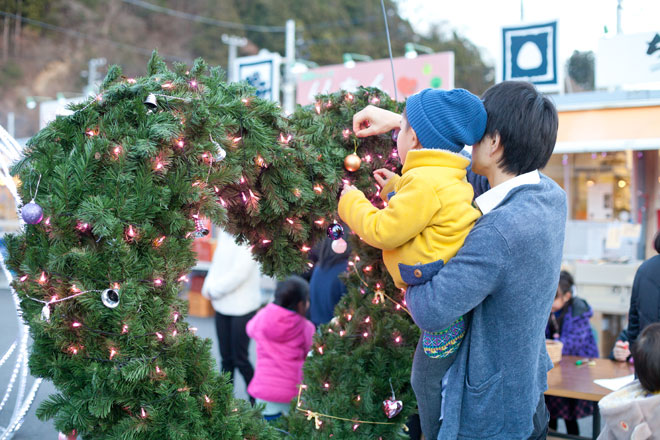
(530, 54)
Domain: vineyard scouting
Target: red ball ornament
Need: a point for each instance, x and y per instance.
(352, 162)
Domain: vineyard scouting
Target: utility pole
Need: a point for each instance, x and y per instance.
(92, 75)
(619, 9)
(234, 42)
(289, 88)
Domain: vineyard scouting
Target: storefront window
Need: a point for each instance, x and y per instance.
(597, 184)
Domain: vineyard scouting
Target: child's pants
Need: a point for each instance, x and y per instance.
(426, 380)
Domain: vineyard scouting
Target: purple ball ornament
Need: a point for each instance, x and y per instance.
(32, 213)
(335, 231)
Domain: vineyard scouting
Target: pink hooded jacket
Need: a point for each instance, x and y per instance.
(283, 339)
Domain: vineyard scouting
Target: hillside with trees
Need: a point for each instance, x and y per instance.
(46, 44)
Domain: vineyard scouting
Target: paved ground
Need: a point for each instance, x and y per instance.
(34, 428)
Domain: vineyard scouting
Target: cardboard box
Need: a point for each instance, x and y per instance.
(199, 306)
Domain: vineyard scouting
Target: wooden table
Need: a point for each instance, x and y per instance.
(567, 379)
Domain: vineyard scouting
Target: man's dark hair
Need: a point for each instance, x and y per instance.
(526, 121)
(646, 353)
(290, 292)
(656, 242)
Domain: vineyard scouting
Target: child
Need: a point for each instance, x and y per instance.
(569, 323)
(325, 286)
(428, 216)
(633, 412)
(283, 338)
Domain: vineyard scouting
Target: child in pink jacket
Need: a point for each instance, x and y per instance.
(283, 338)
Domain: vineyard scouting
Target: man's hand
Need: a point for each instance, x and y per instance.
(347, 187)
(382, 176)
(373, 120)
(621, 351)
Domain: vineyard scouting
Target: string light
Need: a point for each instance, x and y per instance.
(183, 278)
(317, 106)
(192, 83)
(326, 385)
(355, 426)
(76, 325)
(131, 80)
(320, 222)
(365, 334)
(285, 139)
(124, 329)
(23, 278)
(159, 241)
(342, 333)
(318, 189)
(223, 203)
(264, 241)
(320, 349)
(116, 151)
(143, 413)
(82, 227)
(159, 335)
(158, 282)
(237, 139)
(113, 352)
(305, 248)
(43, 279)
(367, 319)
(349, 97)
(346, 132)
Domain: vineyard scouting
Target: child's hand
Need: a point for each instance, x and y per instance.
(382, 176)
(621, 351)
(347, 188)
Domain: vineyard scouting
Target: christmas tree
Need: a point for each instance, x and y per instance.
(121, 185)
(362, 360)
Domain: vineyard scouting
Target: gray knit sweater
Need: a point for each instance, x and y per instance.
(504, 278)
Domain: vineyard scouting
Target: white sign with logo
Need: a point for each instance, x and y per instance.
(529, 53)
(261, 72)
(629, 60)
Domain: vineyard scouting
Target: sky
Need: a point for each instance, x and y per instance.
(581, 22)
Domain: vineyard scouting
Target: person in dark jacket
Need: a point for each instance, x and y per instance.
(644, 304)
(325, 287)
(569, 323)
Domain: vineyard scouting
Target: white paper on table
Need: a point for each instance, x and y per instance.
(616, 383)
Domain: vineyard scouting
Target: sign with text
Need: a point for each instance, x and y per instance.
(530, 54)
(412, 75)
(261, 72)
(629, 60)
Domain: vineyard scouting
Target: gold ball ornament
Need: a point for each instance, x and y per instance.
(352, 162)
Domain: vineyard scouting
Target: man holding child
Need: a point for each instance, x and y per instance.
(504, 277)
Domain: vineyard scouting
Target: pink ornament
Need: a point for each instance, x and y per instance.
(392, 407)
(339, 246)
(72, 436)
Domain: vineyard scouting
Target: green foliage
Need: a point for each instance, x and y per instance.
(581, 66)
(351, 363)
(120, 186)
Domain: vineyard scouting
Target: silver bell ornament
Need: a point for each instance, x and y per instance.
(110, 298)
(151, 102)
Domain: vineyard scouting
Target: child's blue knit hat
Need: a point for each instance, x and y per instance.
(446, 119)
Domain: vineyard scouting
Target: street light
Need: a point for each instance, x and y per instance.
(412, 48)
(31, 101)
(349, 59)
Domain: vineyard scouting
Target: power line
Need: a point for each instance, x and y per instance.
(78, 34)
(205, 20)
(241, 26)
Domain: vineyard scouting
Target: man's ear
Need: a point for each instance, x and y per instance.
(495, 148)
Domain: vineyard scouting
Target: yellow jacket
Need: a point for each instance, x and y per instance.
(425, 221)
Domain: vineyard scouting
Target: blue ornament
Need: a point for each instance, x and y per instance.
(32, 213)
(335, 231)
